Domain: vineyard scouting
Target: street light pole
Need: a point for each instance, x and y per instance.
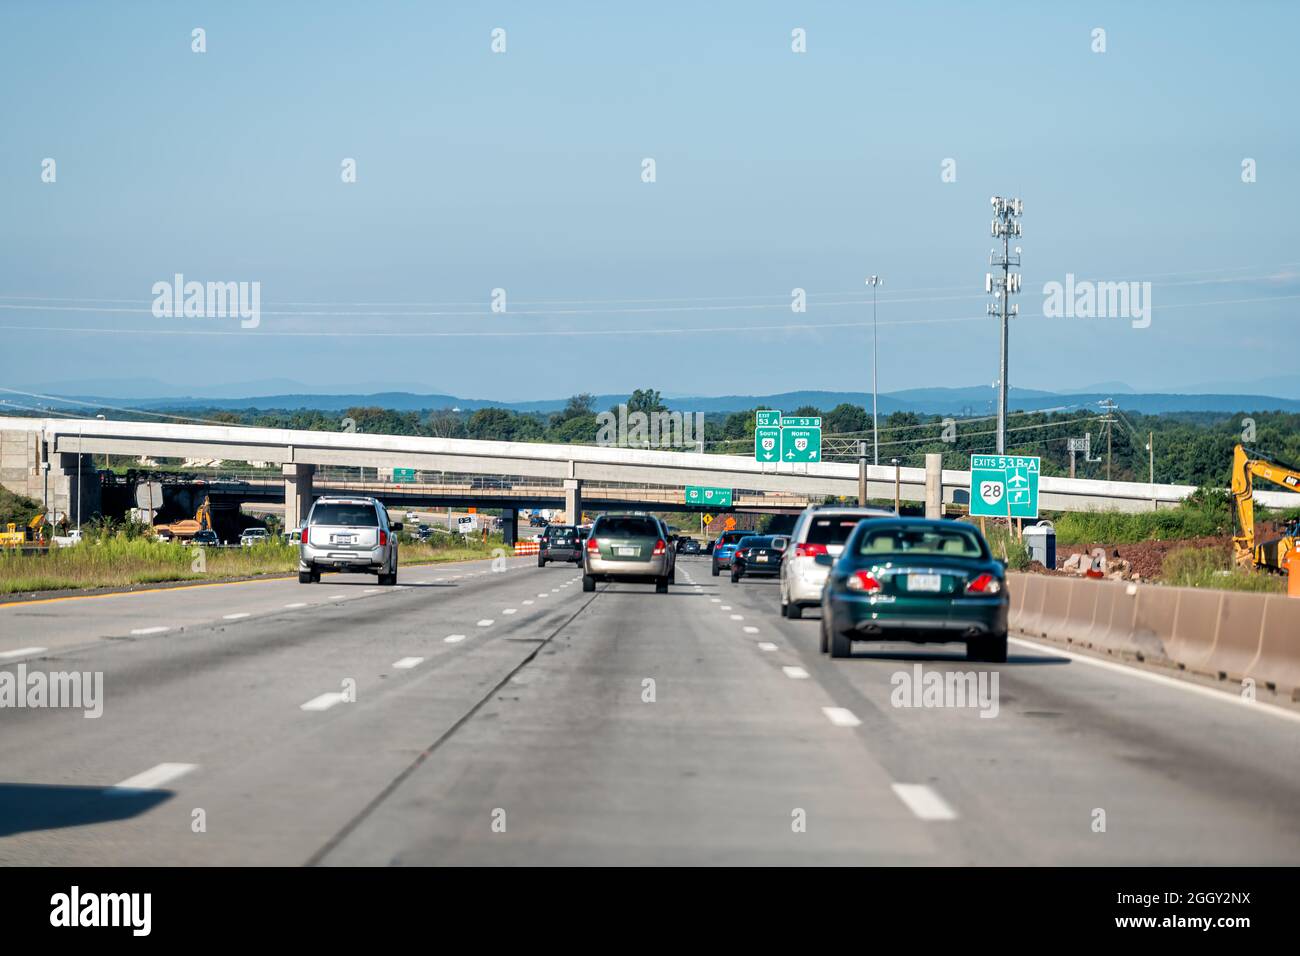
(1006, 212)
(874, 282)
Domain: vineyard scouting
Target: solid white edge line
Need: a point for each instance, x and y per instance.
(21, 652)
(236, 616)
(1221, 695)
(924, 803)
(148, 630)
(297, 604)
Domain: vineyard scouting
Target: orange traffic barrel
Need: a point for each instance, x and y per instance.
(1293, 573)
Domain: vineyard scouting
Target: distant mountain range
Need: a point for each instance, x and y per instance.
(973, 400)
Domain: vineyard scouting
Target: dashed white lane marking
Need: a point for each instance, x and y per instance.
(795, 673)
(234, 617)
(371, 590)
(148, 630)
(297, 604)
(324, 701)
(766, 646)
(486, 622)
(716, 600)
(21, 652)
(725, 607)
(841, 717)
(923, 801)
(529, 601)
(509, 610)
(406, 663)
(737, 617)
(541, 594)
(750, 629)
(336, 597)
(1227, 698)
(453, 638)
(151, 779)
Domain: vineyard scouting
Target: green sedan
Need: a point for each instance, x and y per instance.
(916, 580)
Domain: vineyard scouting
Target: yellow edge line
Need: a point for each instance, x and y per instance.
(191, 587)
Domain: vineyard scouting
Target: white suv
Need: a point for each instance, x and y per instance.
(348, 534)
(819, 530)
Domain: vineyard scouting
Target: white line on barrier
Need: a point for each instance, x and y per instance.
(1220, 695)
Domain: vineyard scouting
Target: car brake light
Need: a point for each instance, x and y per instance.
(809, 550)
(984, 584)
(740, 552)
(383, 537)
(863, 582)
(593, 546)
(660, 547)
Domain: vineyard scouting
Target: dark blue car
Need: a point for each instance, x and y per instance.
(724, 548)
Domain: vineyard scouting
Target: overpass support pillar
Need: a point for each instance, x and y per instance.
(573, 500)
(297, 494)
(934, 485)
(510, 525)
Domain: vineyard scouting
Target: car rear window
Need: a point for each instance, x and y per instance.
(731, 537)
(360, 516)
(756, 541)
(832, 529)
(949, 542)
(627, 528)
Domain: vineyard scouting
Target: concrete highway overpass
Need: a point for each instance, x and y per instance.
(39, 457)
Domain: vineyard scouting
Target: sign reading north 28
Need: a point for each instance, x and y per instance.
(710, 497)
(1002, 485)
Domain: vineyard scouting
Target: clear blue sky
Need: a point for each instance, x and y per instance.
(522, 171)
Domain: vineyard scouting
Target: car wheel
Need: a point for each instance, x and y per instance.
(661, 586)
(307, 577)
(793, 611)
(992, 649)
(826, 633)
(735, 576)
(541, 561)
(588, 583)
(716, 572)
(841, 646)
(672, 575)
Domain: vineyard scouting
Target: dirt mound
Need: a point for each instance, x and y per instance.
(1146, 558)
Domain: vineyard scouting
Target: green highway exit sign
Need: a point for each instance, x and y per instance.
(1004, 486)
(709, 497)
(800, 444)
(767, 443)
(404, 475)
(791, 439)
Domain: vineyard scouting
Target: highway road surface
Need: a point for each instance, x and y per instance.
(480, 716)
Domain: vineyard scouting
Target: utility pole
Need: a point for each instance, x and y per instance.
(1151, 453)
(1108, 407)
(874, 282)
(898, 478)
(1006, 212)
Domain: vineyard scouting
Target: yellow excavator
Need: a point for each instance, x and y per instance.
(1248, 464)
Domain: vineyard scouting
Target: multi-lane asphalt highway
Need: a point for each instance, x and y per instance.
(481, 716)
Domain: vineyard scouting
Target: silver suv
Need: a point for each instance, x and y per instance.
(819, 530)
(348, 534)
(629, 547)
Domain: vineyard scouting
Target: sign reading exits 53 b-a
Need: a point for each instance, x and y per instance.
(1002, 485)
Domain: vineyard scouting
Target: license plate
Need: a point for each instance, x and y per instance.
(342, 538)
(761, 559)
(924, 582)
(628, 552)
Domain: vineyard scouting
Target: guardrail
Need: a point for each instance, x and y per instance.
(1229, 635)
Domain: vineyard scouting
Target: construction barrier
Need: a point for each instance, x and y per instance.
(1229, 635)
(526, 547)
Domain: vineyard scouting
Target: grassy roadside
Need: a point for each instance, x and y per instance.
(118, 561)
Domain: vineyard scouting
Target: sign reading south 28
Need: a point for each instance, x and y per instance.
(709, 497)
(1002, 485)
